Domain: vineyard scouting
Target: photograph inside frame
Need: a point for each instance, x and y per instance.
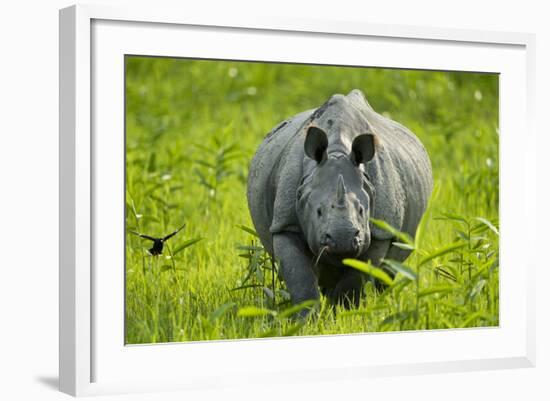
(273, 199)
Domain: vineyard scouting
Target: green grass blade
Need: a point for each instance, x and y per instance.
(445, 273)
(367, 267)
(402, 245)
(400, 285)
(476, 289)
(254, 311)
(398, 317)
(435, 290)
(453, 217)
(488, 224)
(404, 237)
(297, 308)
(251, 248)
(484, 267)
(362, 312)
(248, 230)
(222, 310)
(164, 268)
(245, 287)
(441, 251)
(401, 268)
(293, 330)
(186, 244)
(473, 317)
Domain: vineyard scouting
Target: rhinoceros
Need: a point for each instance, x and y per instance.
(315, 181)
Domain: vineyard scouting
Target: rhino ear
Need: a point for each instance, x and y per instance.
(316, 144)
(363, 148)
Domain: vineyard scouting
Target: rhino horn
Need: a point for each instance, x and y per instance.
(340, 191)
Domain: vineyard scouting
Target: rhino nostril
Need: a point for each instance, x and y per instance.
(327, 240)
(356, 243)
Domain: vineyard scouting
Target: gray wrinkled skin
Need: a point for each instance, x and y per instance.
(315, 181)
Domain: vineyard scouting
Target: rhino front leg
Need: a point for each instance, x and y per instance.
(377, 251)
(295, 262)
(349, 288)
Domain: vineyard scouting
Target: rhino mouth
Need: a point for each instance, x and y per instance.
(335, 255)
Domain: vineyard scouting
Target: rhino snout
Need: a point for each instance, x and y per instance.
(345, 245)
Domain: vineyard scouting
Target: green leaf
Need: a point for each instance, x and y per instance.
(462, 235)
(248, 230)
(441, 251)
(244, 287)
(484, 267)
(361, 312)
(454, 217)
(435, 290)
(404, 237)
(403, 246)
(152, 165)
(204, 163)
(165, 268)
(448, 275)
(222, 310)
(254, 311)
(186, 244)
(294, 329)
(297, 308)
(367, 267)
(488, 224)
(474, 292)
(268, 293)
(284, 294)
(473, 317)
(203, 180)
(259, 273)
(458, 309)
(419, 235)
(400, 286)
(401, 268)
(399, 317)
(269, 333)
(251, 248)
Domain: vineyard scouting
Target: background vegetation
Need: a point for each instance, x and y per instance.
(192, 127)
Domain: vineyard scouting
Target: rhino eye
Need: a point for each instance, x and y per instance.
(361, 211)
(319, 212)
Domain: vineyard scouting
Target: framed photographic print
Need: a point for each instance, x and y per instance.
(335, 198)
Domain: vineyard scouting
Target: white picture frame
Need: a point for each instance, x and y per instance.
(94, 360)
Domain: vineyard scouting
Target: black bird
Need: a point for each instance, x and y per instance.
(158, 243)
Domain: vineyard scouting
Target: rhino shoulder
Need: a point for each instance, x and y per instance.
(287, 181)
(272, 177)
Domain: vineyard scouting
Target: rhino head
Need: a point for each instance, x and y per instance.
(335, 200)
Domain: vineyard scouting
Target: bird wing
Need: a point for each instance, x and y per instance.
(143, 236)
(174, 233)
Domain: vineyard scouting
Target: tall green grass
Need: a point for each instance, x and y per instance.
(191, 128)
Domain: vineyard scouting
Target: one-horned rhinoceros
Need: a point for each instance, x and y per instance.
(315, 181)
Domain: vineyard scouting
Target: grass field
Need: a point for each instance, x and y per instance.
(191, 129)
